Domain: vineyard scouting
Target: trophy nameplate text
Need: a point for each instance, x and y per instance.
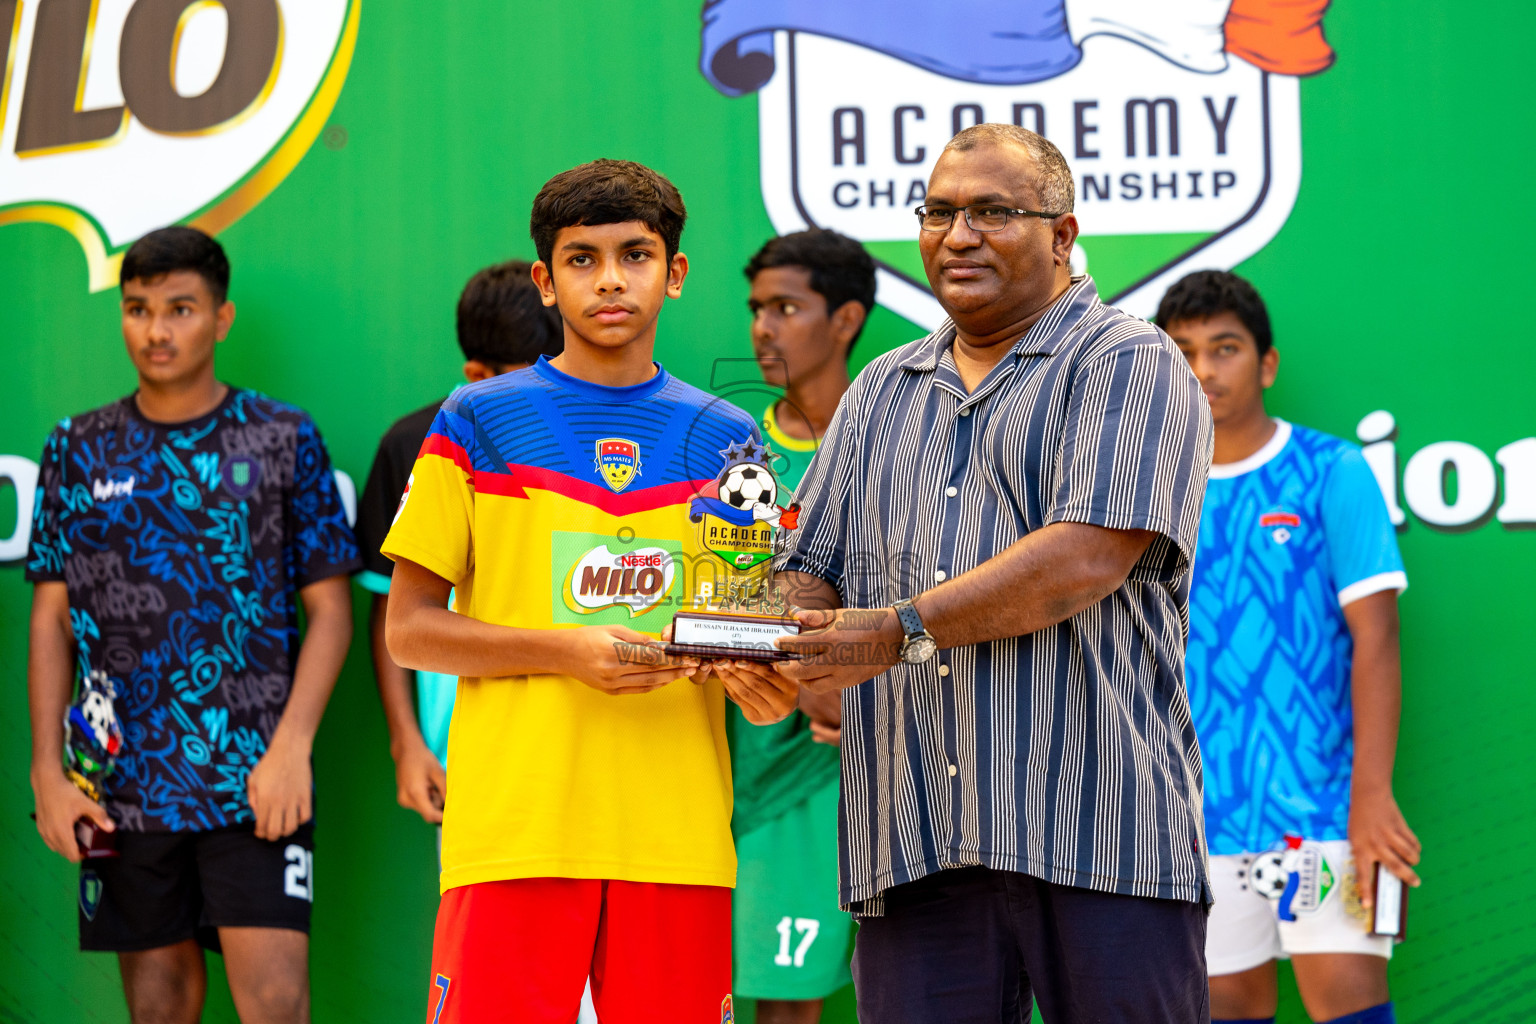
(1389, 911)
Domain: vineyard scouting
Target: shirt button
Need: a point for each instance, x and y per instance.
(951, 491)
(953, 771)
(939, 575)
(943, 670)
(965, 412)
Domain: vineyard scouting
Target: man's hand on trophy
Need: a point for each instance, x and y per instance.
(59, 805)
(842, 647)
(280, 789)
(619, 660)
(421, 784)
(763, 695)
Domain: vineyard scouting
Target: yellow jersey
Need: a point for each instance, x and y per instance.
(550, 502)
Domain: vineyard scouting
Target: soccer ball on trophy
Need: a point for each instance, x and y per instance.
(748, 486)
(1268, 876)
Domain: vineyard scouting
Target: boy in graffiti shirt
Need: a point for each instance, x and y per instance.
(175, 533)
(587, 829)
(1294, 679)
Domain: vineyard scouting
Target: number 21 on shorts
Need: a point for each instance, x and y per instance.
(808, 929)
(298, 877)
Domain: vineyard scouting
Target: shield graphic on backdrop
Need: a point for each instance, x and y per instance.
(618, 460)
(1180, 120)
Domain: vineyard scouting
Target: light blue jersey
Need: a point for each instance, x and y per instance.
(1289, 536)
(435, 692)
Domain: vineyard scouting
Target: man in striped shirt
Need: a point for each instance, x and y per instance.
(1000, 526)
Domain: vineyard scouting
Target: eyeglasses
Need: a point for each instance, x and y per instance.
(981, 217)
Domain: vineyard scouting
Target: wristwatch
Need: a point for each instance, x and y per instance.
(919, 644)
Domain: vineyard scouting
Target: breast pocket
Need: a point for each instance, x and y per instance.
(1016, 459)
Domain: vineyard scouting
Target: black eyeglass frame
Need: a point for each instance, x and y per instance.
(922, 214)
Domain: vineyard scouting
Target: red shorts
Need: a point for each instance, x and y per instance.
(521, 951)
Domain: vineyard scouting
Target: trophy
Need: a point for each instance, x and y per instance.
(738, 613)
(93, 739)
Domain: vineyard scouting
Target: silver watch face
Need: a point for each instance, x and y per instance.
(919, 649)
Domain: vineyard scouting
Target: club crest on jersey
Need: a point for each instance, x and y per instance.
(727, 1011)
(1279, 523)
(1182, 120)
(241, 474)
(618, 460)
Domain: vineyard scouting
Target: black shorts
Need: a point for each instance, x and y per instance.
(167, 887)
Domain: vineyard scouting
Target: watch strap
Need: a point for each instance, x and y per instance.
(911, 622)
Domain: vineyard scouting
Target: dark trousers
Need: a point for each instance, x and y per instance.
(974, 946)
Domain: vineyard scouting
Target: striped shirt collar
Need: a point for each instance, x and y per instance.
(1043, 338)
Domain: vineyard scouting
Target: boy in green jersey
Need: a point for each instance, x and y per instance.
(811, 292)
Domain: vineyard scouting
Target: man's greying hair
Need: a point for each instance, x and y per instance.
(1053, 178)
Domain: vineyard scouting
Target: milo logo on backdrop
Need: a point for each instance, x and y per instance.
(121, 116)
(1181, 119)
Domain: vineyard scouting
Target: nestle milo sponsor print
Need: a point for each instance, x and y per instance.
(607, 579)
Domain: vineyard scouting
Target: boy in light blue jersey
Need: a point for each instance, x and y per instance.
(1294, 680)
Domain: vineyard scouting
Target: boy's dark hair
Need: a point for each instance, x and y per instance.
(502, 321)
(1206, 293)
(840, 268)
(178, 248)
(607, 192)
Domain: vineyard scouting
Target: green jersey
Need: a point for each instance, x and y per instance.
(788, 937)
(776, 767)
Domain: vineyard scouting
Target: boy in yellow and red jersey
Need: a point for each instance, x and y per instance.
(588, 825)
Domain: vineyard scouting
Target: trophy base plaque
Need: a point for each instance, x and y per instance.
(731, 636)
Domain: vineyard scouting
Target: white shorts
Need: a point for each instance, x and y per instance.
(1245, 931)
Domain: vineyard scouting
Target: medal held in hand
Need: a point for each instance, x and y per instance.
(738, 612)
(93, 739)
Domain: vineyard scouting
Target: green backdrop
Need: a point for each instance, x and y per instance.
(1390, 285)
